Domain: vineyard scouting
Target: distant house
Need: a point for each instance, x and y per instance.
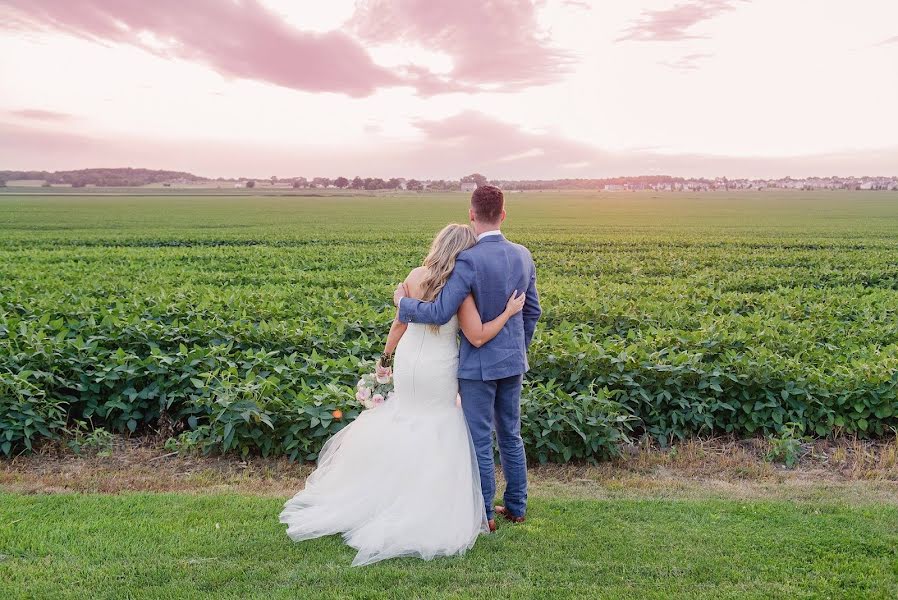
(615, 187)
(468, 186)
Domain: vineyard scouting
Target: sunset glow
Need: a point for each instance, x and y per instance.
(418, 88)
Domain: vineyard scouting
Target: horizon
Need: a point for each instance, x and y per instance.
(310, 177)
(517, 90)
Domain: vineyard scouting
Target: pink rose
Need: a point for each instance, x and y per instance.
(377, 399)
(360, 384)
(363, 394)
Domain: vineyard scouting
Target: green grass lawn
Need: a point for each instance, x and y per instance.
(232, 546)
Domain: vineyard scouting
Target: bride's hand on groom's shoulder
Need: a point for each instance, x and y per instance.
(400, 293)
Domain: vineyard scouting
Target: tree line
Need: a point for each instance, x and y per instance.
(128, 177)
(114, 177)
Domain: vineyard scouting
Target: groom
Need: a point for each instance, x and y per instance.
(490, 377)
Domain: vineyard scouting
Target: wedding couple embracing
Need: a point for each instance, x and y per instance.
(415, 475)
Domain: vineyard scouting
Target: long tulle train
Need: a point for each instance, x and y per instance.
(394, 484)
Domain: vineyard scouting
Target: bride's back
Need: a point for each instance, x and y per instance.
(426, 359)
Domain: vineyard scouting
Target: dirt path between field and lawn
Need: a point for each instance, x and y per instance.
(849, 471)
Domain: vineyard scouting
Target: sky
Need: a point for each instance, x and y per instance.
(442, 88)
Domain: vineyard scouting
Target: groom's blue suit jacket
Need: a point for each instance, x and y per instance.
(490, 271)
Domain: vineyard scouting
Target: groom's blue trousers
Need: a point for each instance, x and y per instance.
(497, 404)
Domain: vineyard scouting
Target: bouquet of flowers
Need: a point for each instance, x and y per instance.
(375, 388)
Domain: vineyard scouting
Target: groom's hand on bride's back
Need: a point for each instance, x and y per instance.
(400, 293)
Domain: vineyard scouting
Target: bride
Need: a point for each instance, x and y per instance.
(402, 479)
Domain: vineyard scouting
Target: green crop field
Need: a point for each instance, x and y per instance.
(238, 322)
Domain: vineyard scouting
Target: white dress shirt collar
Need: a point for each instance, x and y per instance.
(487, 233)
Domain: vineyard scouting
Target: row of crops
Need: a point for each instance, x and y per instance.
(242, 324)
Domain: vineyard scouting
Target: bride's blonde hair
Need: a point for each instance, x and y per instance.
(441, 259)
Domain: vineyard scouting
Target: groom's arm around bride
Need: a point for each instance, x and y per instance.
(491, 271)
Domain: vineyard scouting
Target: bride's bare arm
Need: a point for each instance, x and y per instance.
(397, 329)
(478, 332)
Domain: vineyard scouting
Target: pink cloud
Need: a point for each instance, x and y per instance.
(686, 63)
(478, 141)
(237, 39)
(448, 148)
(497, 42)
(492, 43)
(891, 40)
(672, 24)
(474, 142)
(40, 115)
(29, 142)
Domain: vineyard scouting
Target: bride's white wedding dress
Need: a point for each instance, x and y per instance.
(402, 479)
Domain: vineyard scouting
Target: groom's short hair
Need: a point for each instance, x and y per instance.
(488, 202)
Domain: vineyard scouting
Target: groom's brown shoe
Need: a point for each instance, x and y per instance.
(504, 512)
